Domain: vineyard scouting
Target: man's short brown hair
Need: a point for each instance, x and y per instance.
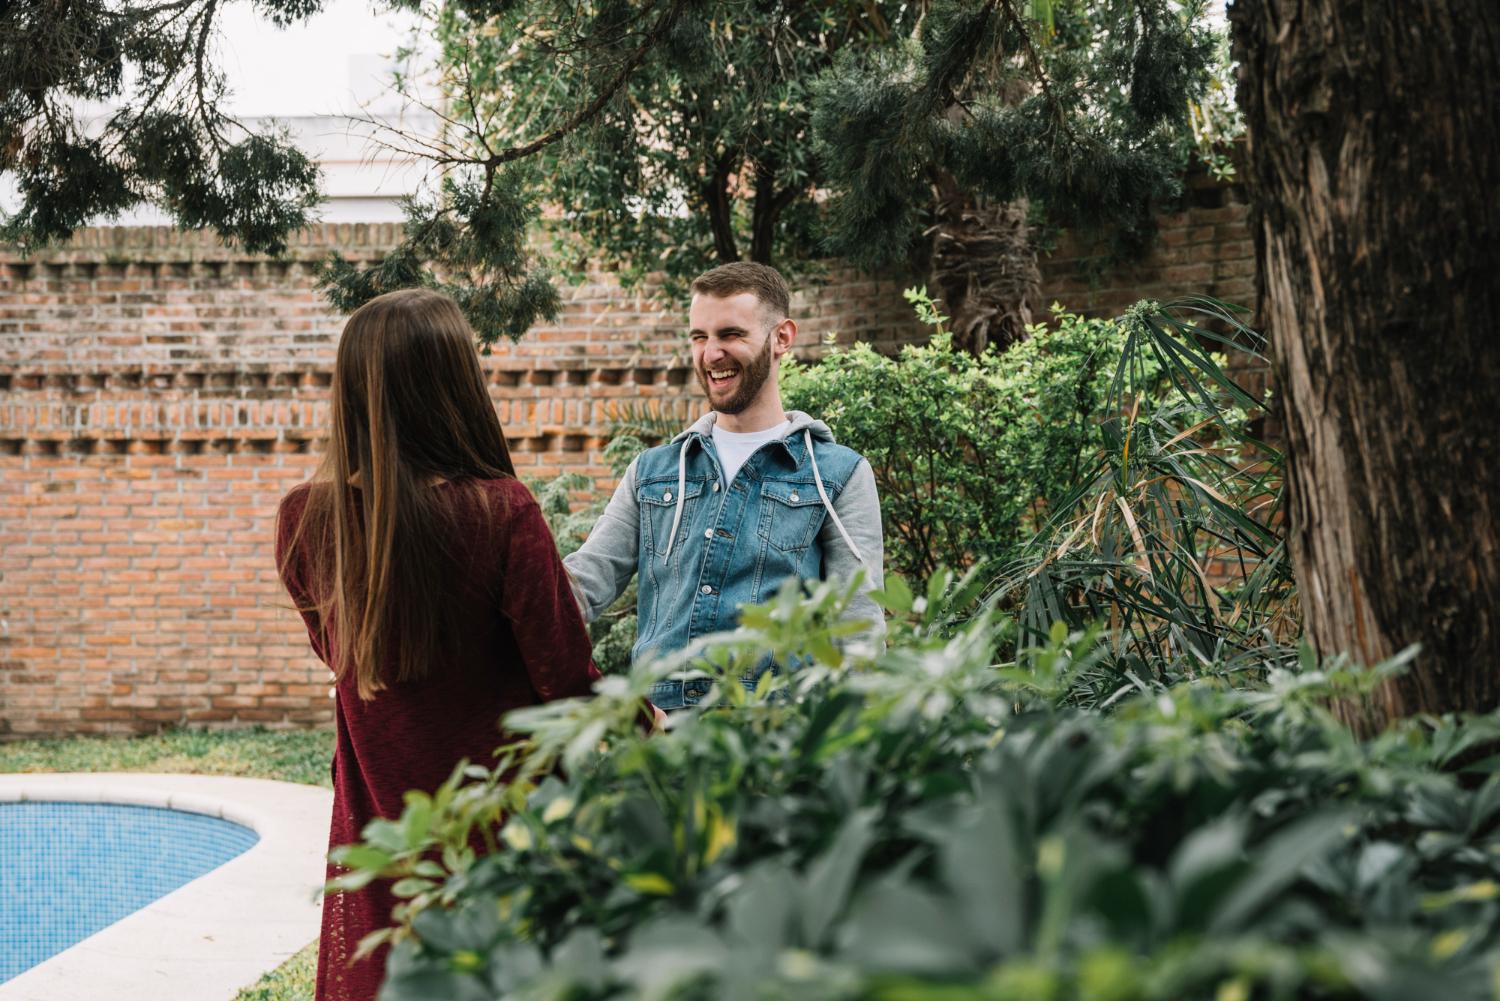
(746, 276)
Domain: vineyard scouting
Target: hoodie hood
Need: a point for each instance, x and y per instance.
(800, 422)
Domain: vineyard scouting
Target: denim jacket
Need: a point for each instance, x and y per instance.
(702, 547)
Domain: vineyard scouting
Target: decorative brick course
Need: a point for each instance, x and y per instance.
(159, 392)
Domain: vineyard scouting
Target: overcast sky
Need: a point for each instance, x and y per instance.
(326, 65)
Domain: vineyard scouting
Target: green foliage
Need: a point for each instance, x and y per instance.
(919, 823)
(702, 157)
(1174, 532)
(1100, 470)
(966, 451)
(166, 144)
(672, 136)
(1215, 121)
(1080, 106)
(477, 229)
(285, 755)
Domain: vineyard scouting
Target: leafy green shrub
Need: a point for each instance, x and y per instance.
(919, 824)
(1102, 468)
(966, 450)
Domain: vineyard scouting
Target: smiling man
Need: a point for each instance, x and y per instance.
(748, 496)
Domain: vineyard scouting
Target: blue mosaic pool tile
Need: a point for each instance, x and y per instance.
(68, 870)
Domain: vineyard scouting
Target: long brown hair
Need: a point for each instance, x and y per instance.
(409, 409)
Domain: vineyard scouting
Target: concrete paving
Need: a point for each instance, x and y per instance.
(209, 938)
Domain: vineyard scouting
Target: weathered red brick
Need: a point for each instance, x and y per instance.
(156, 414)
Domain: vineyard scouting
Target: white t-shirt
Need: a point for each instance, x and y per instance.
(734, 448)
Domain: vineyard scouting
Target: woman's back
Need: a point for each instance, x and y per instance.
(517, 639)
(486, 670)
(429, 582)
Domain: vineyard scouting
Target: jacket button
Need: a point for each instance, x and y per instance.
(707, 589)
(794, 497)
(716, 488)
(667, 496)
(708, 533)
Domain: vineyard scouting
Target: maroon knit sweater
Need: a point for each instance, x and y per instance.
(521, 642)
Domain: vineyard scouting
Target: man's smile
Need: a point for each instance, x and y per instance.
(721, 378)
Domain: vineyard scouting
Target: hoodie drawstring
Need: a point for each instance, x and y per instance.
(817, 478)
(681, 489)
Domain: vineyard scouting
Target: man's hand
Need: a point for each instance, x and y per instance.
(660, 725)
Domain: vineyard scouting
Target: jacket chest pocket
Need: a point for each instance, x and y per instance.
(791, 514)
(658, 503)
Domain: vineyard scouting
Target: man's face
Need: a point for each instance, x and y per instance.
(734, 347)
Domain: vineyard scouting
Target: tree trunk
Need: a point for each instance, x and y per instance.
(765, 212)
(983, 266)
(1374, 148)
(720, 206)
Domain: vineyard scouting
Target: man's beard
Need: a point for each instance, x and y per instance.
(752, 379)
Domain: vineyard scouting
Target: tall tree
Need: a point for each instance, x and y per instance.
(1374, 147)
(665, 137)
(703, 157)
(108, 106)
(670, 137)
(1082, 107)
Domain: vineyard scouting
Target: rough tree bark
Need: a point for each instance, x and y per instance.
(983, 266)
(719, 206)
(1374, 148)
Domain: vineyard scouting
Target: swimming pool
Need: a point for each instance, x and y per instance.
(68, 870)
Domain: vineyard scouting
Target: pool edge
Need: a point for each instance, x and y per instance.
(213, 936)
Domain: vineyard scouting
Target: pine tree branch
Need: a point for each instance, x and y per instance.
(1034, 61)
(199, 58)
(971, 48)
(143, 13)
(652, 37)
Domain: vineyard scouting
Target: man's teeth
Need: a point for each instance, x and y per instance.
(722, 374)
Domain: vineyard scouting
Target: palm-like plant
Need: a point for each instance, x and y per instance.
(1175, 535)
(648, 423)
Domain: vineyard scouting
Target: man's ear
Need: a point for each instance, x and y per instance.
(785, 333)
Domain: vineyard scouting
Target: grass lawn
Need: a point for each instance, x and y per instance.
(290, 756)
(291, 981)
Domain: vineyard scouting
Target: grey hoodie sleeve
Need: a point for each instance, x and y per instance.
(602, 567)
(858, 507)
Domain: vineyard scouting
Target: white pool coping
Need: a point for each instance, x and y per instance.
(208, 939)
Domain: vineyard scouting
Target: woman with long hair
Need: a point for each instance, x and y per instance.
(429, 582)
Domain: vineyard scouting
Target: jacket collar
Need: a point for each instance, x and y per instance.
(704, 426)
(801, 422)
(702, 429)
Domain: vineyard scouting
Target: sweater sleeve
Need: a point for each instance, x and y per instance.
(602, 567)
(538, 601)
(290, 567)
(858, 507)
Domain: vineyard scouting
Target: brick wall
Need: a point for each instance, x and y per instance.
(1205, 249)
(160, 392)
